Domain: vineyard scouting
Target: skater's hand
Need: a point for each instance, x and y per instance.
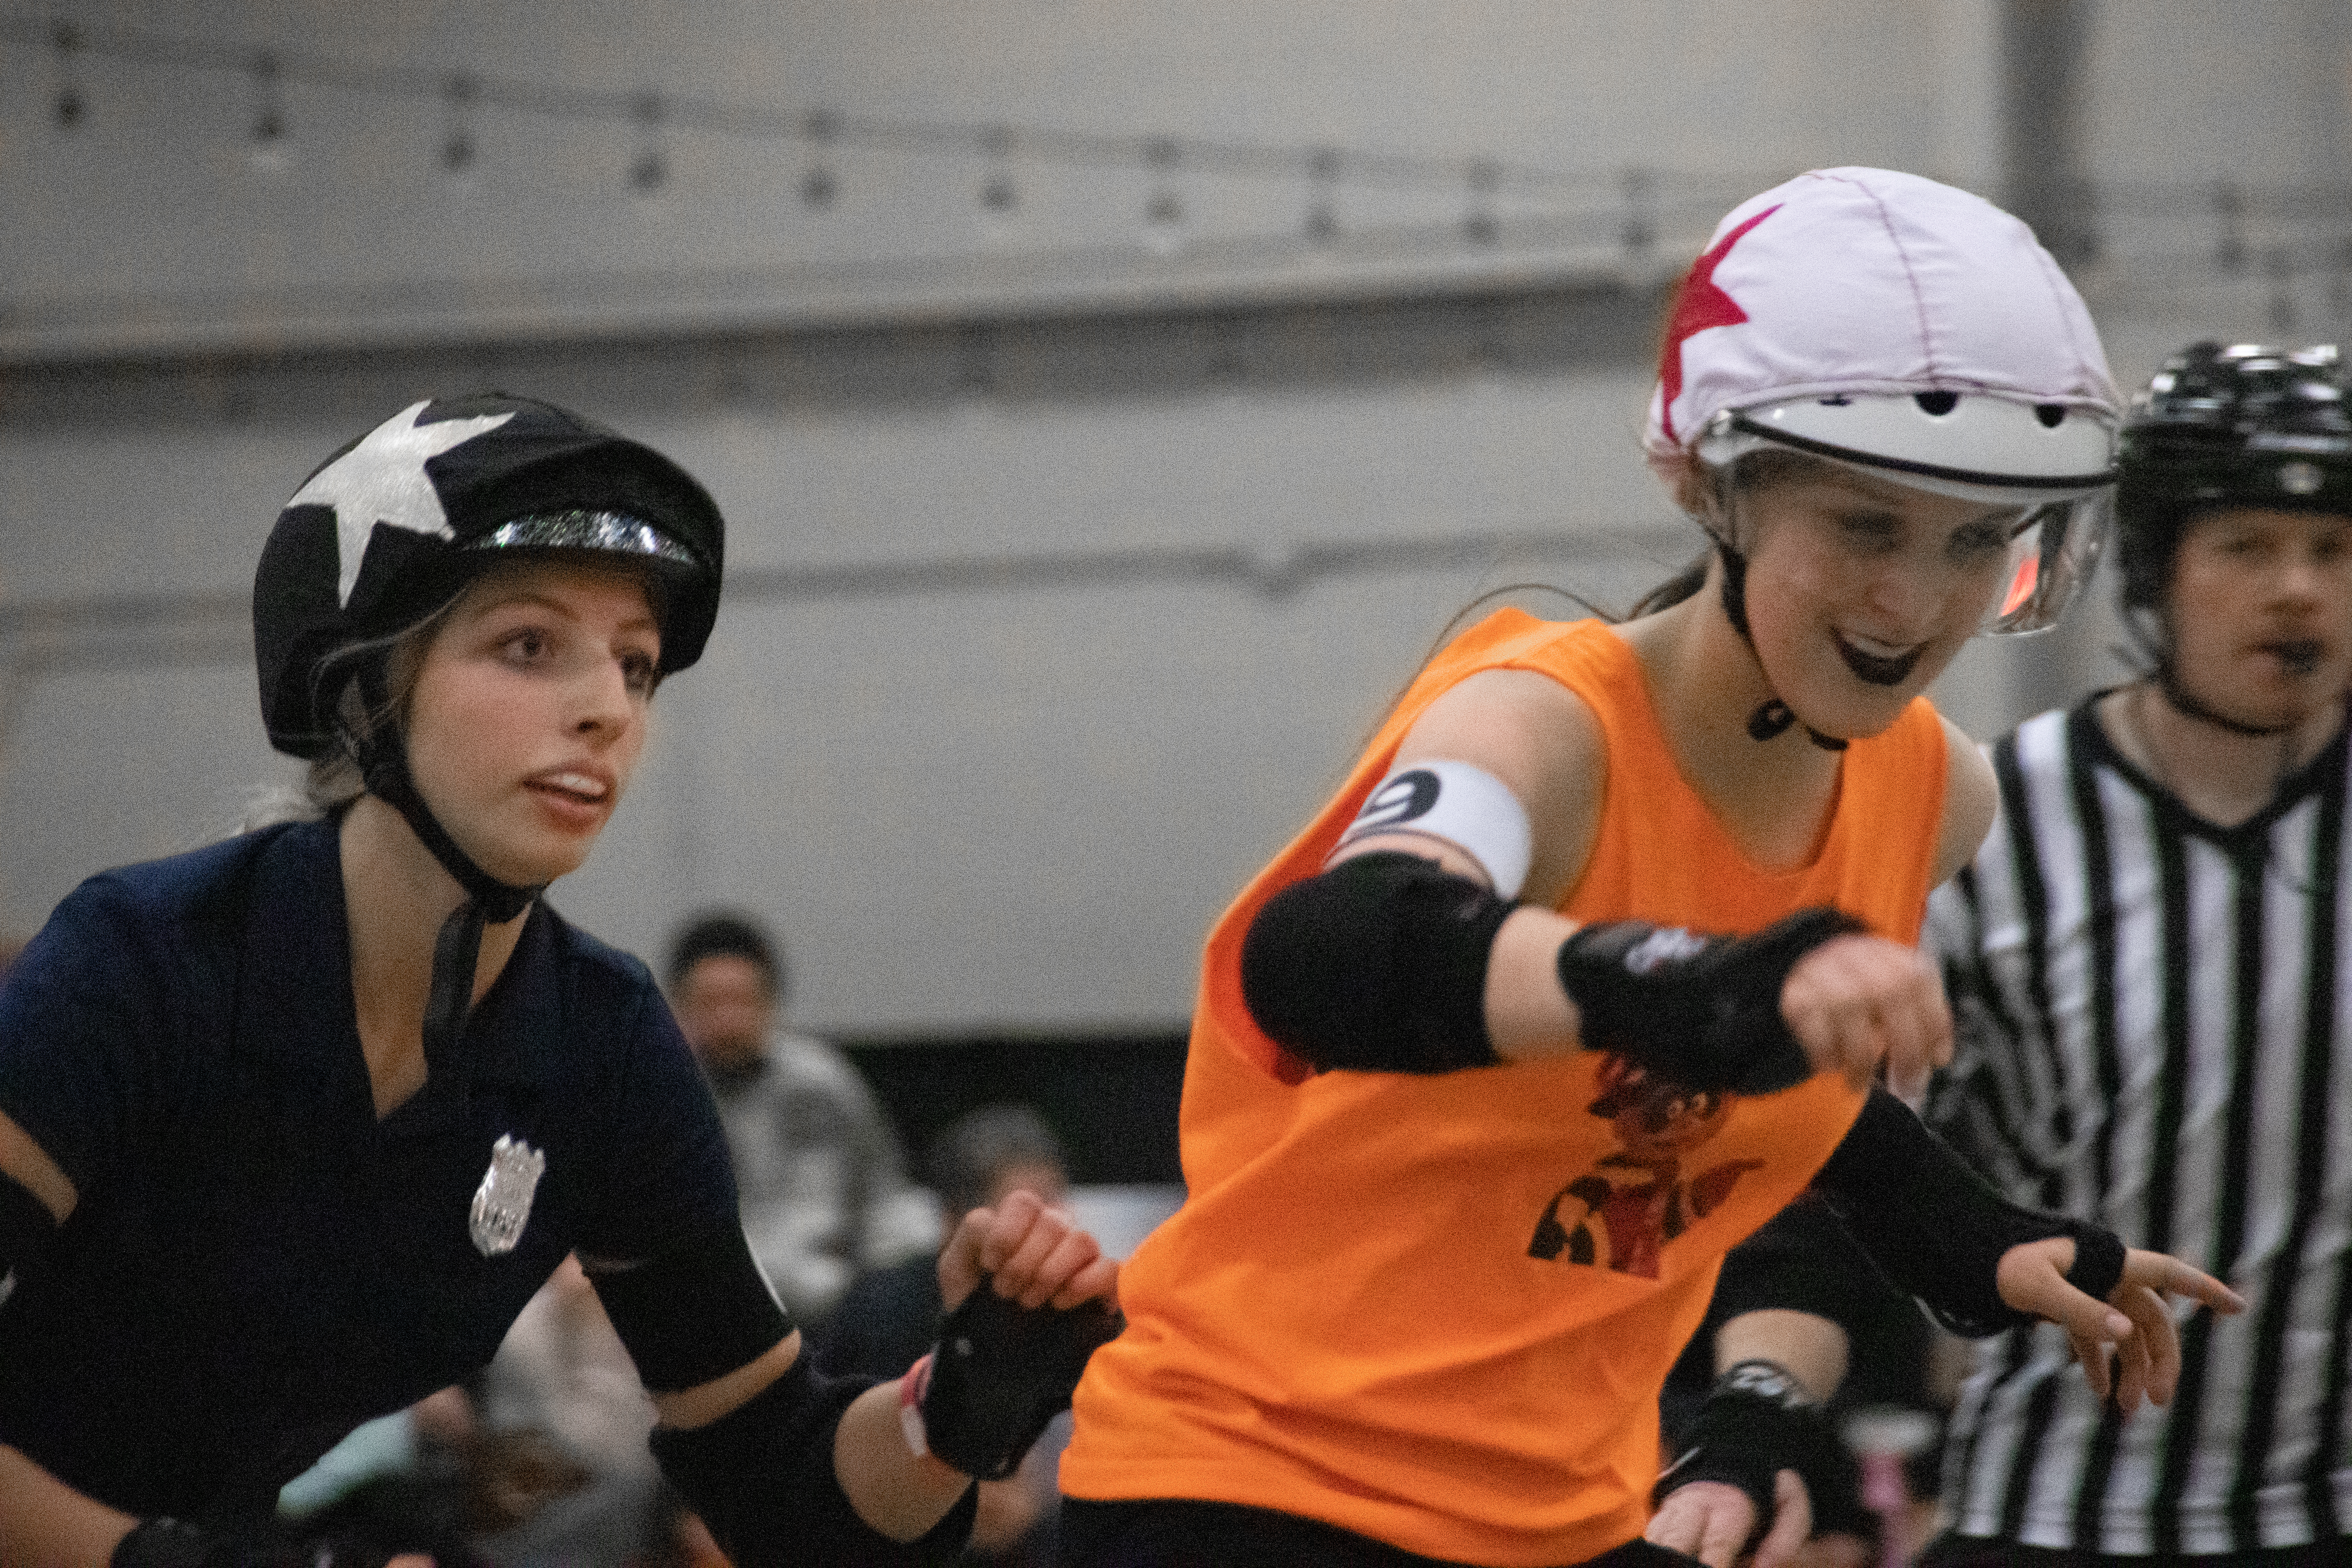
(2128, 1344)
(1712, 1521)
(1034, 1255)
(1858, 1001)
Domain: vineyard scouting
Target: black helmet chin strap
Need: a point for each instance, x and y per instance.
(2151, 630)
(1773, 717)
(382, 757)
(2168, 682)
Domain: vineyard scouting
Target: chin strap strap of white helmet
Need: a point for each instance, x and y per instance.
(1772, 716)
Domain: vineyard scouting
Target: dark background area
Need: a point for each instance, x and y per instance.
(1112, 1099)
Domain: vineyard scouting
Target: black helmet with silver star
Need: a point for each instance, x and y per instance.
(394, 524)
(390, 528)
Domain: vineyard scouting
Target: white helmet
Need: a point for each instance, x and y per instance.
(1911, 330)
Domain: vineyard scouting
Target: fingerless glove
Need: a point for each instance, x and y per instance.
(1756, 1424)
(1001, 1372)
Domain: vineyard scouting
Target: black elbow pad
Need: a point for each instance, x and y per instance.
(762, 1478)
(698, 1312)
(1378, 964)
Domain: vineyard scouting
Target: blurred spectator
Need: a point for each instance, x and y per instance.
(823, 1191)
(401, 1483)
(890, 1316)
(562, 1477)
(540, 1463)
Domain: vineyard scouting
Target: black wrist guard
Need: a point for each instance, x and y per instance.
(1756, 1424)
(162, 1544)
(169, 1543)
(1700, 1011)
(28, 1234)
(1001, 1372)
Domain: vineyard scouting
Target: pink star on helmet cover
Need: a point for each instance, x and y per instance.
(1870, 281)
(1699, 304)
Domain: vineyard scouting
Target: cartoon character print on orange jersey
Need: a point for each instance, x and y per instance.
(1637, 1199)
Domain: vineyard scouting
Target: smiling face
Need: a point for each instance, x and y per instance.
(529, 713)
(1860, 591)
(2259, 613)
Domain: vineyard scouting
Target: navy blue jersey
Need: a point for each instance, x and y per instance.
(257, 1263)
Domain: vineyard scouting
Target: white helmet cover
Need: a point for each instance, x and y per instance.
(1913, 330)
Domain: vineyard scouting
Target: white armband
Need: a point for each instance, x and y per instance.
(1467, 807)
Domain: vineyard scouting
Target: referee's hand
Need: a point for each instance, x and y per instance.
(2128, 1344)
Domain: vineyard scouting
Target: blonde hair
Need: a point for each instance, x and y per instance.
(334, 779)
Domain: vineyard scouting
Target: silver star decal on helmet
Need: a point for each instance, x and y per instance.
(383, 479)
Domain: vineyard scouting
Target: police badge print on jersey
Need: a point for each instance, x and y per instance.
(502, 1203)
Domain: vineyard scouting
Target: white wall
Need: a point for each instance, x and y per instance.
(150, 222)
(967, 801)
(966, 806)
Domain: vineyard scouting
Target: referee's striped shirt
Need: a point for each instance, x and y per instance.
(2149, 1007)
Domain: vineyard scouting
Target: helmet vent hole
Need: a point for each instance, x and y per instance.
(1937, 404)
(1837, 400)
(2052, 415)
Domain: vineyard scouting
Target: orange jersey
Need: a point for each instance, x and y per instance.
(1437, 1310)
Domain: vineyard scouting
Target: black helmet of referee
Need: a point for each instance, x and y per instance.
(2243, 426)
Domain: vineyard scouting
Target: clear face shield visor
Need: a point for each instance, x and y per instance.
(2055, 530)
(2052, 554)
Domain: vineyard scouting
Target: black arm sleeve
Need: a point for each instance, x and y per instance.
(698, 1312)
(1937, 1229)
(762, 1478)
(1805, 1260)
